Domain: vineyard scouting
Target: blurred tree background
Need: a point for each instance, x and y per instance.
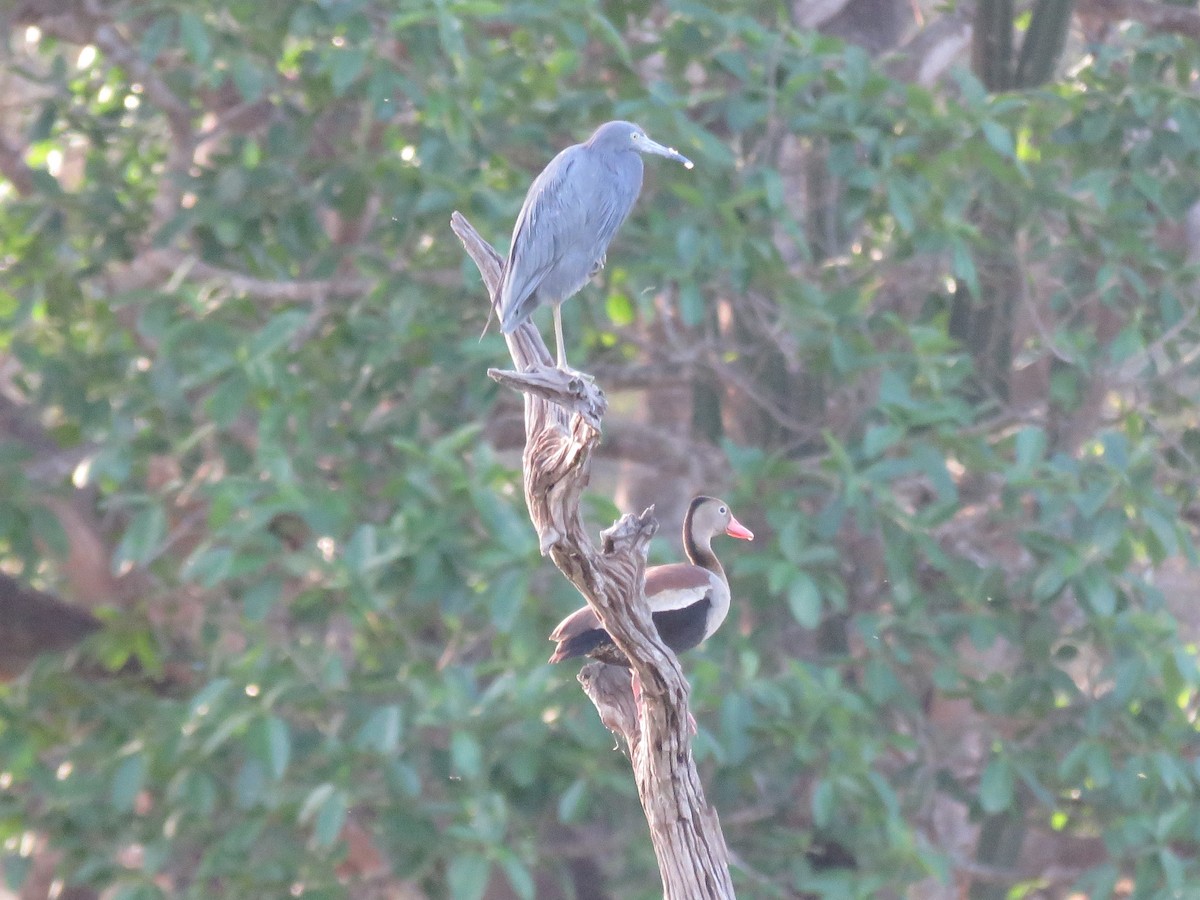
(925, 313)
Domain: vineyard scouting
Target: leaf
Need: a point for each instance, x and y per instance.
(259, 599)
(609, 34)
(619, 308)
(571, 801)
(737, 719)
(127, 782)
(824, 800)
(999, 138)
(804, 600)
(996, 786)
(466, 755)
(277, 743)
(208, 566)
(1052, 578)
(230, 187)
(1030, 447)
(361, 550)
(963, 265)
(879, 438)
(381, 731)
(231, 724)
(278, 331)
(509, 593)
(155, 38)
(324, 808)
(46, 527)
(347, 65)
(142, 539)
(894, 390)
(194, 37)
(880, 680)
(467, 876)
(1165, 530)
(141, 891)
(1116, 449)
(249, 784)
(691, 304)
(249, 79)
(202, 703)
(1071, 765)
(225, 403)
(1098, 590)
(16, 870)
(228, 231)
(687, 247)
(899, 207)
(330, 819)
(518, 875)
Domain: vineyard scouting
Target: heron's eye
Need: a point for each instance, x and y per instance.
(634, 136)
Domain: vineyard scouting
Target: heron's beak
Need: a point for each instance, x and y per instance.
(649, 146)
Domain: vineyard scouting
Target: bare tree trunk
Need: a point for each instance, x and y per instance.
(562, 428)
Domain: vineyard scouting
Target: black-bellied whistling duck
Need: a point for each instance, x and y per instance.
(688, 601)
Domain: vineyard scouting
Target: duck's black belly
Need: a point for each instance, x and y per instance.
(683, 629)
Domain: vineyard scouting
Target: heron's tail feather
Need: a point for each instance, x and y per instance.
(491, 315)
(488, 323)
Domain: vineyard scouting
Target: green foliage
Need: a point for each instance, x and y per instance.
(307, 482)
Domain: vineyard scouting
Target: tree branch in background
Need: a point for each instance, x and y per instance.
(562, 424)
(116, 48)
(33, 622)
(932, 50)
(1151, 13)
(15, 169)
(152, 267)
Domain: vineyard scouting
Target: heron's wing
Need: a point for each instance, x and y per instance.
(607, 210)
(537, 241)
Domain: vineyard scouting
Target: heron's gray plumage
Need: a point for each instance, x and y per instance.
(571, 213)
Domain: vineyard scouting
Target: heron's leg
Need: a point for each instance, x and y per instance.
(562, 356)
(558, 338)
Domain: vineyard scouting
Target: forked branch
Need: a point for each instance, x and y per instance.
(562, 428)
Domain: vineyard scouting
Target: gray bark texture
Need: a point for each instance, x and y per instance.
(562, 428)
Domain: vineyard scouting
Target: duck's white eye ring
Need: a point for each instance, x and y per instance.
(723, 510)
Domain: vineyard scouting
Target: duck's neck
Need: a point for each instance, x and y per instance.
(699, 549)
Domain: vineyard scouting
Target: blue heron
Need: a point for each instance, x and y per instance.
(570, 214)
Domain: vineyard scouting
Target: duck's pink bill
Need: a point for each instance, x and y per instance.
(738, 530)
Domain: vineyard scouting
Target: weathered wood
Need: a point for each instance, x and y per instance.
(563, 414)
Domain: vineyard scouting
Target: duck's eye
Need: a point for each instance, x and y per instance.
(723, 510)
